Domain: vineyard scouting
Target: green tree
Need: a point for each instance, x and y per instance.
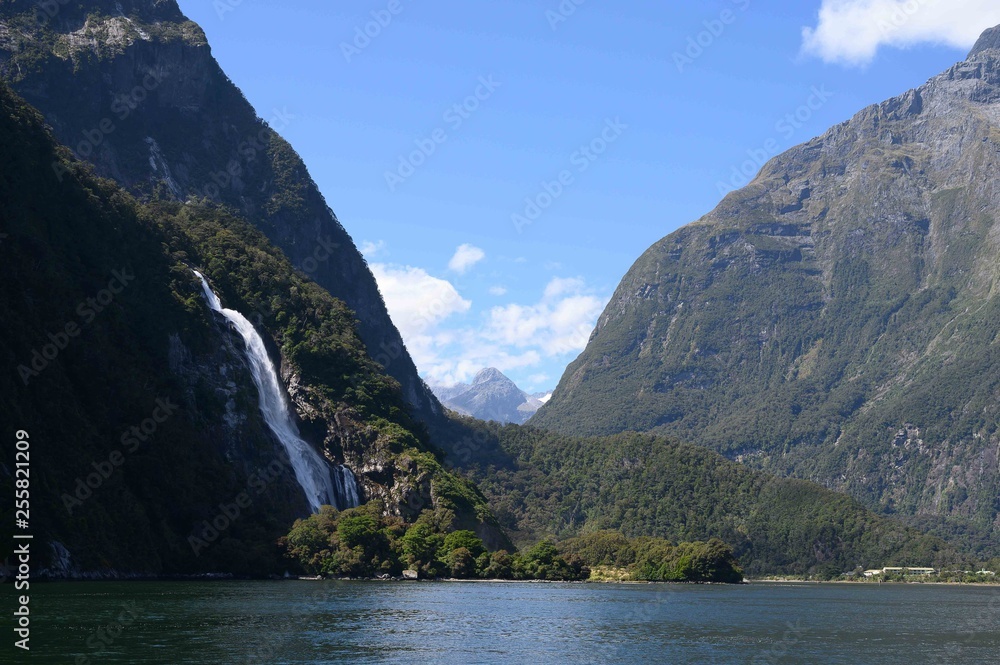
(309, 540)
(420, 545)
(500, 567)
(357, 531)
(464, 539)
(461, 563)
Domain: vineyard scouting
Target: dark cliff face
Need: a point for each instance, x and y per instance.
(149, 449)
(132, 87)
(836, 318)
(140, 409)
(133, 90)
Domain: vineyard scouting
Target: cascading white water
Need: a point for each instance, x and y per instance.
(347, 487)
(321, 484)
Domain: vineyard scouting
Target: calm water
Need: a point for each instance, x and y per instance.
(370, 622)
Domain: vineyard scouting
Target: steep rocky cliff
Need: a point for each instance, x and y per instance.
(131, 399)
(148, 451)
(132, 88)
(837, 319)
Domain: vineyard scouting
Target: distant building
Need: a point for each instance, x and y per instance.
(905, 571)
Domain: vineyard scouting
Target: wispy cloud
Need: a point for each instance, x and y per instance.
(537, 379)
(559, 324)
(851, 31)
(371, 249)
(465, 257)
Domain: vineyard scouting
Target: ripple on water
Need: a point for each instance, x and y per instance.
(358, 622)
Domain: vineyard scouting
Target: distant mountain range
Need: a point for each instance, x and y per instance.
(491, 396)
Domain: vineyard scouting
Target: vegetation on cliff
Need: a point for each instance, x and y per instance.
(105, 323)
(835, 320)
(131, 87)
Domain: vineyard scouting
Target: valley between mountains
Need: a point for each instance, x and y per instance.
(803, 382)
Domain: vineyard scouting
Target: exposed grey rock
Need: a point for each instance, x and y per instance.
(989, 40)
(491, 396)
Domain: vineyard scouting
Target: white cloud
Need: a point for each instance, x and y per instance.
(851, 31)
(498, 291)
(511, 337)
(371, 249)
(420, 305)
(460, 363)
(558, 286)
(561, 323)
(417, 302)
(465, 257)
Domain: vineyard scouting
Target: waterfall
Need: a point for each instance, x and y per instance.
(346, 486)
(321, 484)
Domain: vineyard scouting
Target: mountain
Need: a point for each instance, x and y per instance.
(151, 455)
(491, 396)
(140, 388)
(150, 108)
(837, 319)
(150, 451)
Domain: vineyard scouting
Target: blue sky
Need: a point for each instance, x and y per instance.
(502, 164)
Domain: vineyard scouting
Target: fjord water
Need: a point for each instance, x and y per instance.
(427, 622)
(322, 486)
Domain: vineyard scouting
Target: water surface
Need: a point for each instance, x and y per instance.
(399, 622)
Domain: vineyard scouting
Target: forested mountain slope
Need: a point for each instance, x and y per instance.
(838, 319)
(562, 486)
(132, 88)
